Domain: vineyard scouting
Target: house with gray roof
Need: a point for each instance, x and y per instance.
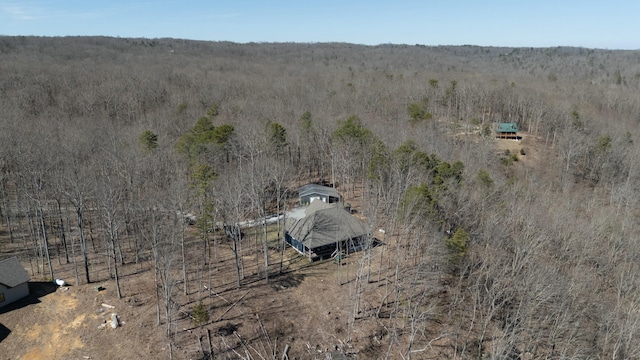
(14, 281)
(325, 229)
(310, 192)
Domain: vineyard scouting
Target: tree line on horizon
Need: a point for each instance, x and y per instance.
(106, 143)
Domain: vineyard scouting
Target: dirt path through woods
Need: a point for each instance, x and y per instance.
(54, 332)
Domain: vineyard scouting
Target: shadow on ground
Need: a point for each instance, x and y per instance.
(287, 280)
(36, 291)
(4, 332)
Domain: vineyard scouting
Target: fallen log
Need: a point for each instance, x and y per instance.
(231, 307)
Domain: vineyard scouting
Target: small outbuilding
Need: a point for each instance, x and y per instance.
(325, 229)
(310, 192)
(507, 131)
(14, 281)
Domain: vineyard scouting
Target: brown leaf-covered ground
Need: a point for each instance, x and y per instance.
(306, 309)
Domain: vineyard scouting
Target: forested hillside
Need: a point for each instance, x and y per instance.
(105, 144)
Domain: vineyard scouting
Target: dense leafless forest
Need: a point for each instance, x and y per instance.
(105, 143)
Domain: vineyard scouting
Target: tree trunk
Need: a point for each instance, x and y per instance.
(63, 236)
(40, 211)
(236, 240)
(115, 271)
(266, 246)
(184, 265)
(83, 244)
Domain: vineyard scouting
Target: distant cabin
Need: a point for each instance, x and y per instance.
(310, 192)
(507, 131)
(14, 281)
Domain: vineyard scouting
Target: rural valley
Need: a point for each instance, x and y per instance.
(493, 193)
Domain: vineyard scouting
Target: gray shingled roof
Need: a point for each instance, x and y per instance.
(12, 273)
(310, 189)
(325, 224)
(318, 205)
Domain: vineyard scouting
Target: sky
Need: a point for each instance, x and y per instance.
(605, 24)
